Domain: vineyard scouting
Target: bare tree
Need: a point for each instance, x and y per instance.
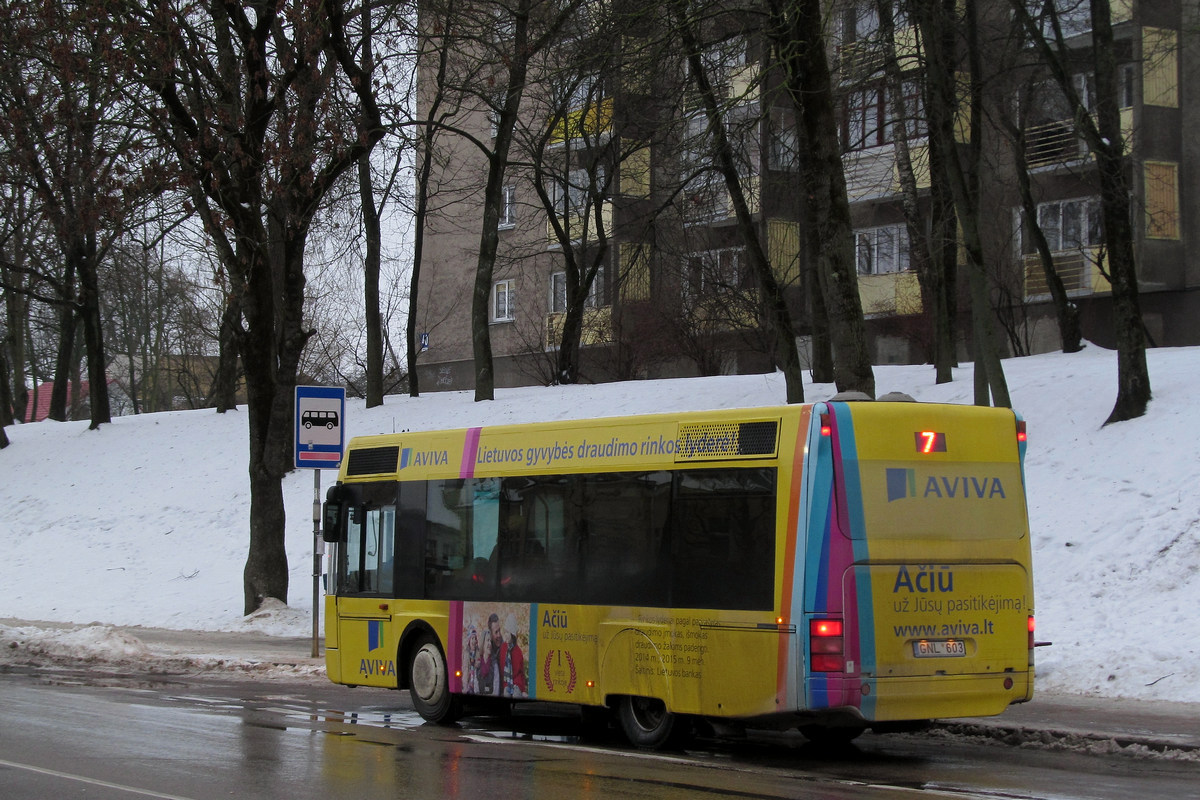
(940, 24)
(248, 100)
(934, 252)
(67, 125)
(777, 314)
(1102, 133)
(1066, 312)
(796, 31)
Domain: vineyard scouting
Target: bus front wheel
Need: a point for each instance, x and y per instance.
(647, 723)
(428, 683)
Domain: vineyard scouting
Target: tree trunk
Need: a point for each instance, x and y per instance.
(489, 237)
(944, 256)
(925, 254)
(797, 31)
(374, 236)
(374, 319)
(93, 336)
(1107, 143)
(934, 18)
(6, 404)
(412, 345)
(787, 358)
(822, 343)
(1133, 375)
(62, 363)
(223, 394)
(1066, 312)
(567, 371)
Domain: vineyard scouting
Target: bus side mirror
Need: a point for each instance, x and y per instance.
(331, 522)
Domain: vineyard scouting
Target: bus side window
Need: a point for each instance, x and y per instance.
(368, 556)
(621, 525)
(460, 536)
(724, 539)
(349, 578)
(410, 541)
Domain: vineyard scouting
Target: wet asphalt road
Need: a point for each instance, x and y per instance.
(67, 734)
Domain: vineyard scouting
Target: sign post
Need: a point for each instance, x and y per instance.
(320, 440)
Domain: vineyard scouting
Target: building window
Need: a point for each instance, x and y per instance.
(569, 195)
(871, 118)
(783, 144)
(711, 273)
(858, 21)
(864, 121)
(909, 114)
(504, 301)
(558, 292)
(1073, 16)
(495, 104)
(588, 92)
(1069, 224)
(508, 207)
(879, 251)
(721, 61)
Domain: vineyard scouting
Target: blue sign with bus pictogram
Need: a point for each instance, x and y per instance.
(320, 426)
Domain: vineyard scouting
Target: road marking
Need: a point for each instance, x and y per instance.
(91, 781)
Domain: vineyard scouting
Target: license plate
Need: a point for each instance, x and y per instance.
(940, 648)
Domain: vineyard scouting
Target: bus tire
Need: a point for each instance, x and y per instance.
(647, 723)
(429, 684)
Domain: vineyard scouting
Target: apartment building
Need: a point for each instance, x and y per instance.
(612, 182)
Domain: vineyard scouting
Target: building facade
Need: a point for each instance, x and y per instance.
(615, 215)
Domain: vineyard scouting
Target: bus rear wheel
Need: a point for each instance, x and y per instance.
(647, 723)
(429, 685)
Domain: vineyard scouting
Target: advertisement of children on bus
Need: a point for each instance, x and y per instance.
(495, 649)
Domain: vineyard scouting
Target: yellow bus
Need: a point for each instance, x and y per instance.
(830, 567)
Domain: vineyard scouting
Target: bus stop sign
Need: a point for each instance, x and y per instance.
(320, 426)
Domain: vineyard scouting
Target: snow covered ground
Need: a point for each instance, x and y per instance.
(144, 522)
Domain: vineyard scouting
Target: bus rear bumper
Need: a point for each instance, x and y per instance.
(936, 697)
(948, 696)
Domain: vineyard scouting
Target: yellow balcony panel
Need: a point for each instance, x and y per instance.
(589, 122)
(743, 83)
(892, 293)
(635, 171)
(597, 327)
(582, 228)
(918, 154)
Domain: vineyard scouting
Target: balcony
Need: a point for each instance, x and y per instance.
(597, 327)
(892, 293)
(592, 123)
(1058, 143)
(1079, 270)
(581, 226)
(708, 201)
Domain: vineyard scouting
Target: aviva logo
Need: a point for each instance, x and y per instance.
(374, 667)
(902, 483)
(423, 458)
(374, 634)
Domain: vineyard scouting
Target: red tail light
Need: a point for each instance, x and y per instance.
(826, 428)
(1032, 626)
(1021, 437)
(826, 645)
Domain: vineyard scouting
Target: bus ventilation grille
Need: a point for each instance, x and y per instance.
(727, 440)
(372, 461)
